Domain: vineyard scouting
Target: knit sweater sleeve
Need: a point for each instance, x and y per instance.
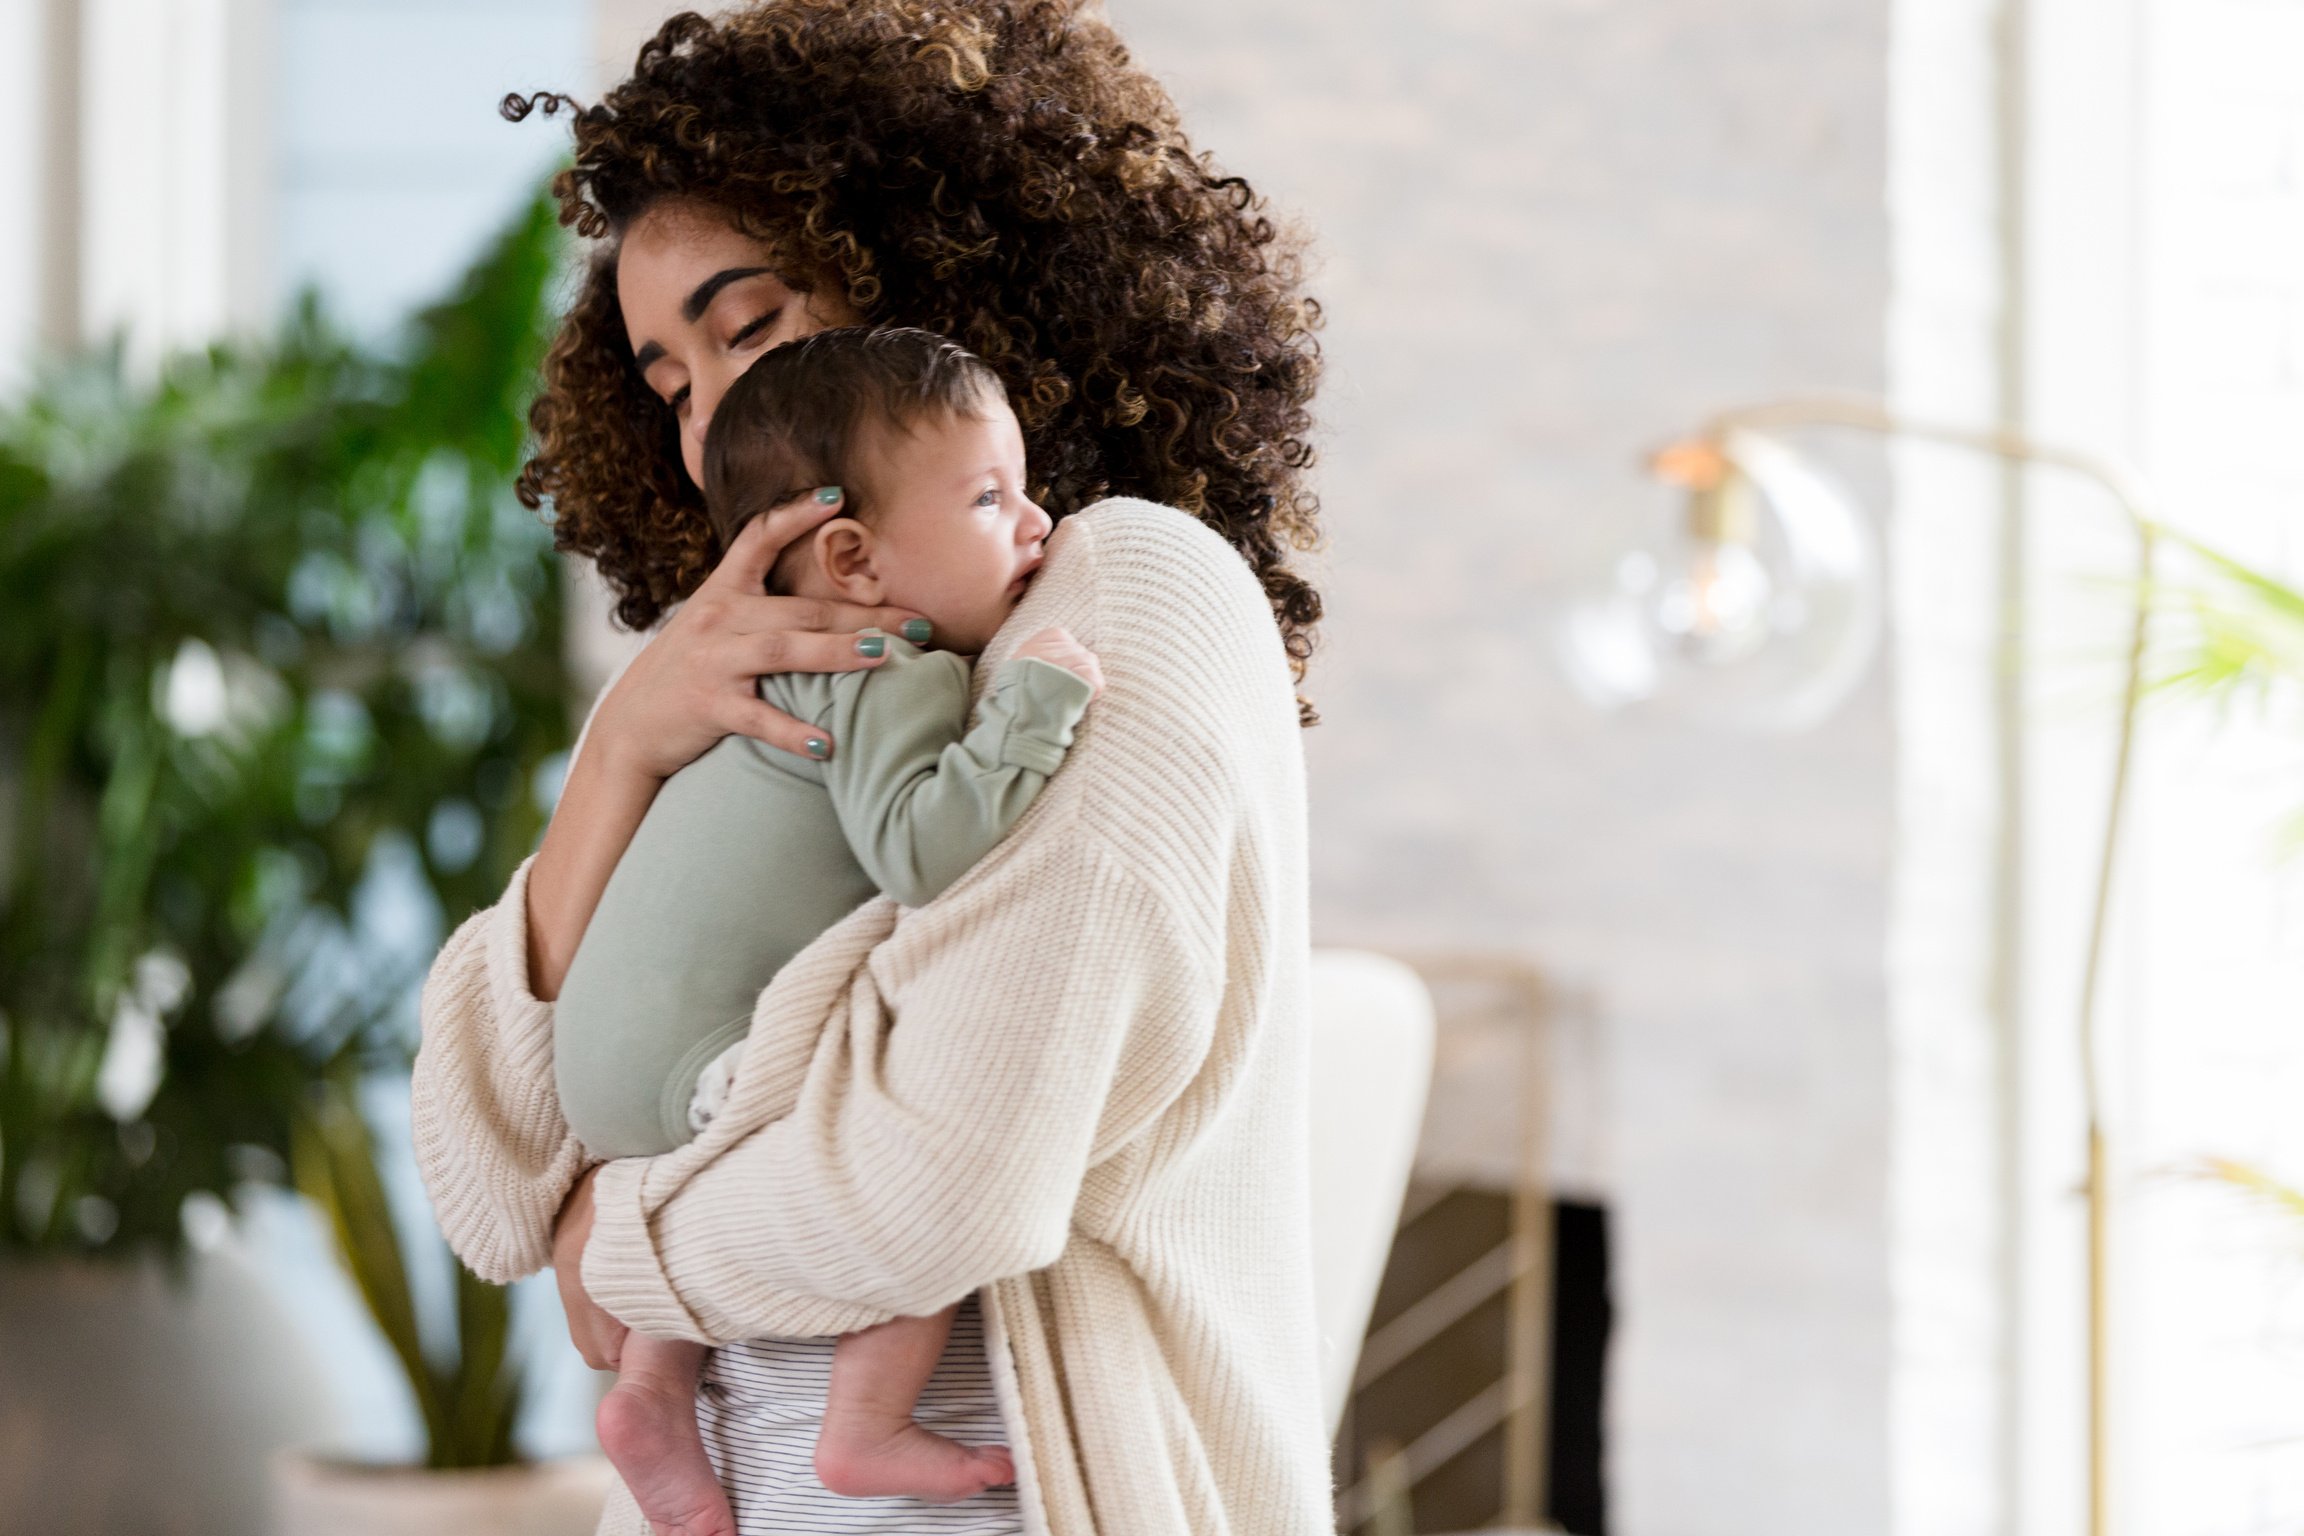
(933, 1156)
(494, 1152)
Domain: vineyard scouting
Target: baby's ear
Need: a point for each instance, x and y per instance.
(841, 553)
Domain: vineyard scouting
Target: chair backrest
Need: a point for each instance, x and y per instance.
(1371, 1071)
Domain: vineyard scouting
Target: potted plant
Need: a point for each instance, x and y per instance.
(281, 651)
(467, 1391)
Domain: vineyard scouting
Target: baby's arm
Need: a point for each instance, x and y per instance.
(919, 800)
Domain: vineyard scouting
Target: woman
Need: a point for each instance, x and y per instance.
(1093, 1116)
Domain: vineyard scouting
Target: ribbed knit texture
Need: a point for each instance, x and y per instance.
(1074, 1081)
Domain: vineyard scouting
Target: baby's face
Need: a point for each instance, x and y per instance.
(954, 538)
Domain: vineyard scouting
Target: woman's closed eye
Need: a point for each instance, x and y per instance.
(744, 335)
(754, 327)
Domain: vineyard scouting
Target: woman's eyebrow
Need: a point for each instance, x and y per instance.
(692, 308)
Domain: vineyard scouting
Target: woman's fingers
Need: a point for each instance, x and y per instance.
(800, 650)
(753, 551)
(897, 621)
(696, 681)
(772, 726)
(824, 615)
(597, 1335)
(608, 1338)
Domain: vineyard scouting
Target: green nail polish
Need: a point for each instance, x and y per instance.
(918, 630)
(828, 494)
(818, 748)
(872, 645)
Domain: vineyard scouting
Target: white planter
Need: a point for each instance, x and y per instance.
(315, 1495)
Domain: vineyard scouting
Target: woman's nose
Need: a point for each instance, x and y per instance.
(704, 395)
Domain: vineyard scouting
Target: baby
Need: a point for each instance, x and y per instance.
(748, 853)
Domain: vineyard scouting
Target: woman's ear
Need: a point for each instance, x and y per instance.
(843, 551)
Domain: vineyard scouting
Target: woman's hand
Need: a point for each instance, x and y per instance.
(693, 685)
(598, 1337)
(695, 681)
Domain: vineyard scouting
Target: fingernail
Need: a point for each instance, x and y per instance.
(918, 630)
(818, 748)
(828, 494)
(871, 645)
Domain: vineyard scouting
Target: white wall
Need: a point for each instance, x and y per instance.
(2210, 1426)
(1951, 934)
(394, 165)
(25, 152)
(1554, 233)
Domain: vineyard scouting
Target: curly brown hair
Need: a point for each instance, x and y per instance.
(994, 170)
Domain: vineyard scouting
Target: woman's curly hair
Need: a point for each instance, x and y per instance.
(994, 170)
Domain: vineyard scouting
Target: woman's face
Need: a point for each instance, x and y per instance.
(701, 305)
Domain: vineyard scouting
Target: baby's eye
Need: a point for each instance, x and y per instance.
(989, 496)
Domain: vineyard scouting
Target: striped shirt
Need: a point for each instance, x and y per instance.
(762, 1403)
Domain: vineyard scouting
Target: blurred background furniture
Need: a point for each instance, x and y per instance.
(1371, 1070)
(1475, 1398)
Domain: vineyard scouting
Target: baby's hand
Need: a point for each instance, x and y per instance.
(1056, 646)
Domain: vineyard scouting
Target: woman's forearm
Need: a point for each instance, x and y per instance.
(601, 806)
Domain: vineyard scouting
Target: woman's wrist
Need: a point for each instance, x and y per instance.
(625, 759)
(602, 803)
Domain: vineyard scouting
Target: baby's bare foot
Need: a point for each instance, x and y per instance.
(904, 1460)
(651, 1438)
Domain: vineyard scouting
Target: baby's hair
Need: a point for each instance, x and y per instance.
(791, 421)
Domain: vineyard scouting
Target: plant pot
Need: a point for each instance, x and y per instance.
(314, 1495)
(130, 1403)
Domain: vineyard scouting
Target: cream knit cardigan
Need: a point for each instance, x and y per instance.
(1074, 1082)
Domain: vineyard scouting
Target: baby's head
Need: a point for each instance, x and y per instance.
(918, 435)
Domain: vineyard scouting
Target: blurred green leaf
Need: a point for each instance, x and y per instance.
(2227, 630)
(2283, 1199)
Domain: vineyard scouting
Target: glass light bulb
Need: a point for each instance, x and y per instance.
(1717, 609)
(1760, 611)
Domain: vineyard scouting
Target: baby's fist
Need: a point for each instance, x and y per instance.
(1056, 646)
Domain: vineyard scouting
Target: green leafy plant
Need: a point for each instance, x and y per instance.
(469, 1393)
(2281, 1199)
(2233, 635)
(2230, 636)
(281, 693)
(2229, 633)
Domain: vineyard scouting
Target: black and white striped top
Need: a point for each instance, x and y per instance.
(762, 1403)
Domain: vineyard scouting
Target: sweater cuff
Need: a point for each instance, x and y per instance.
(509, 993)
(1042, 702)
(621, 1271)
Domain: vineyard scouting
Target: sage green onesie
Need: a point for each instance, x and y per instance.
(749, 853)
